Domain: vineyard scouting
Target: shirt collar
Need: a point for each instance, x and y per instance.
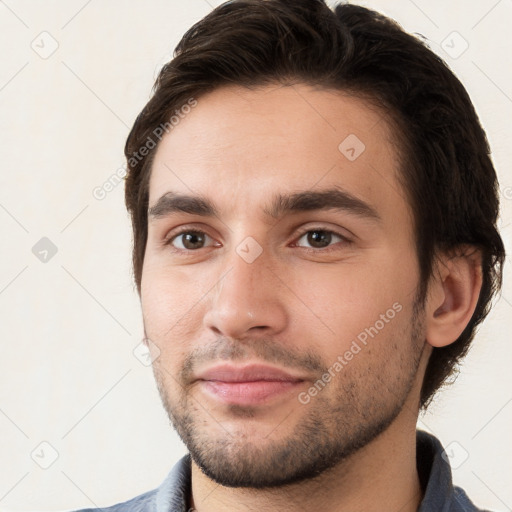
(174, 492)
(435, 476)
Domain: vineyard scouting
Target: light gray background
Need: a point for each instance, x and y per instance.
(69, 325)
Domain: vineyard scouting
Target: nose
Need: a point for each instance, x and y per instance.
(248, 300)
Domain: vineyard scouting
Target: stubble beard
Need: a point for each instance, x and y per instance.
(332, 429)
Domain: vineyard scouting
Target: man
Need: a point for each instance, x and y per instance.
(314, 217)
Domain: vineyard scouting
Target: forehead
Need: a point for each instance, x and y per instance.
(239, 145)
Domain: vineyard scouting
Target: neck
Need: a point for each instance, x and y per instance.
(380, 476)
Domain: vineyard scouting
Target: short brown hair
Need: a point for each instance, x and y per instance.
(446, 170)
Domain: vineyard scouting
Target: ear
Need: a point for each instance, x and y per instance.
(453, 294)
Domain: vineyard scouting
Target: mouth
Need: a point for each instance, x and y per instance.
(248, 385)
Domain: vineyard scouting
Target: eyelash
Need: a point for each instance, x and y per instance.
(346, 241)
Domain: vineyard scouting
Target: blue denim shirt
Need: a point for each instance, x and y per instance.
(440, 495)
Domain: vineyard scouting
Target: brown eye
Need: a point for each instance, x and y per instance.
(319, 238)
(189, 240)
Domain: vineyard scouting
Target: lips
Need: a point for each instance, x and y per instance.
(249, 373)
(247, 385)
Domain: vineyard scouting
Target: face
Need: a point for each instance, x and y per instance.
(279, 282)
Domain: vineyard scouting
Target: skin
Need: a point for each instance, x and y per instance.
(297, 306)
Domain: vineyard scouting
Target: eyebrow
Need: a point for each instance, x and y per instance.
(331, 199)
(172, 202)
(281, 204)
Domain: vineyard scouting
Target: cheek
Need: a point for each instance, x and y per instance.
(165, 303)
(346, 300)
(170, 303)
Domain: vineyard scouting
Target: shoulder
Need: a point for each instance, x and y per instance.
(460, 502)
(171, 495)
(142, 503)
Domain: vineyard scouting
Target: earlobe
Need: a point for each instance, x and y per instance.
(453, 296)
